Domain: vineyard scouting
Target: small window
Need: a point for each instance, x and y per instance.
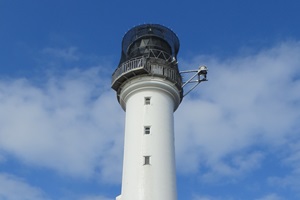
(146, 160)
(147, 100)
(147, 130)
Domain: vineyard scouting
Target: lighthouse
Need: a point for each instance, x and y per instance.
(149, 89)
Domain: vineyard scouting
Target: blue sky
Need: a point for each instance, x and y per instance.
(61, 128)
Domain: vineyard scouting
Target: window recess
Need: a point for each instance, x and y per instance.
(146, 160)
(147, 130)
(147, 100)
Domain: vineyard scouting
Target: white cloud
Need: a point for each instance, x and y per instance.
(206, 197)
(203, 198)
(249, 100)
(238, 165)
(271, 197)
(13, 188)
(293, 156)
(68, 54)
(291, 161)
(2, 158)
(96, 198)
(73, 124)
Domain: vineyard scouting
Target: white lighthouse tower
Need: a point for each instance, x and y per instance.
(149, 89)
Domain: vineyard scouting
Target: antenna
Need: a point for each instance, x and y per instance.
(199, 75)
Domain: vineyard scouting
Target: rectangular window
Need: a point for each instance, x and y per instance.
(147, 100)
(147, 130)
(146, 160)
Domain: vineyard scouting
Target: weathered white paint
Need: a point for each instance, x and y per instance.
(156, 181)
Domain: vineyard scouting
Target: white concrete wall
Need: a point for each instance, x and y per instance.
(156, 181)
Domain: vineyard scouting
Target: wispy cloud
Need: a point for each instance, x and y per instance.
(95, 198)
(68, 54)
(291, 162)
(13, 188)
(73, 125)
(271, 197)
(249, 101)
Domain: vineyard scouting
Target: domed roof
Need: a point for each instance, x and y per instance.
(150, 30)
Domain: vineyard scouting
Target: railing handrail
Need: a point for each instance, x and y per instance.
(152, 69)
(128, 66)
(167, 72)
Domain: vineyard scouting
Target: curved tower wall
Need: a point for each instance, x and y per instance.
(156, 179)
(148, 86)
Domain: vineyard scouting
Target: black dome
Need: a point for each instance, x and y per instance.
(141, 38)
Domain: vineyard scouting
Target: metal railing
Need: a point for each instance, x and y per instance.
(167, 72)
(128, 66)
(151, 68)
